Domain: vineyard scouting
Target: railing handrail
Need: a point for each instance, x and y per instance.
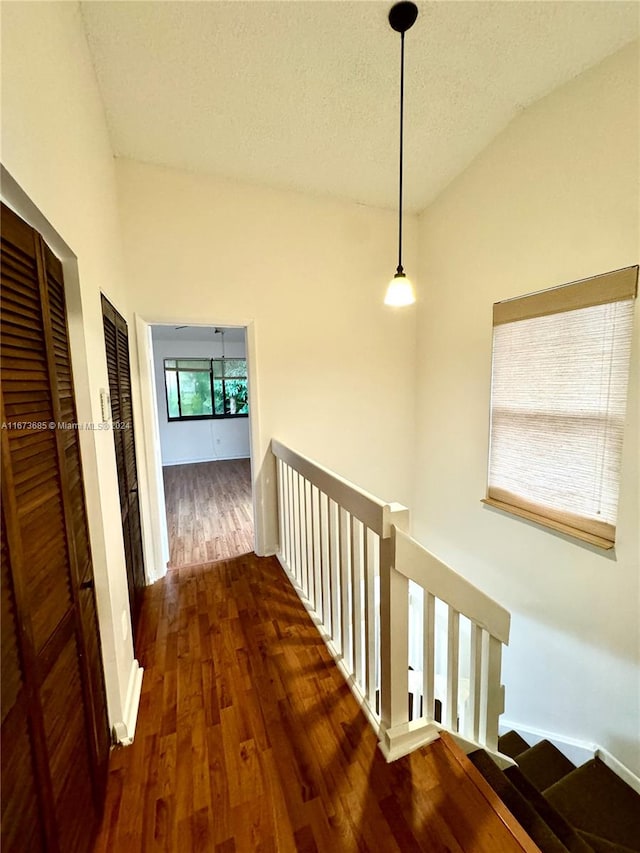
(366, 507)
(419, 565)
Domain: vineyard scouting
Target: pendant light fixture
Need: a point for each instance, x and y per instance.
(400, 291)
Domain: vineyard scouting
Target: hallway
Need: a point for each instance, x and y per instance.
(209, 511)
(249, 739)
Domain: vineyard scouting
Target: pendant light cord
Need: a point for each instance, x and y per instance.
(400, 270)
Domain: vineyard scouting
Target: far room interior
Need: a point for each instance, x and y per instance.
(204, 428)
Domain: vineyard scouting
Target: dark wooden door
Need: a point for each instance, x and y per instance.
(55, 734)
(116, 339)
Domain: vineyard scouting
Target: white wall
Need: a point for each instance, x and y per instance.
(56, 148)
(553, 199)
(333, 373)
(197, 441)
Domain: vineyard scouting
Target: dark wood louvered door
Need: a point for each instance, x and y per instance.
(116, 339)
(55, 734)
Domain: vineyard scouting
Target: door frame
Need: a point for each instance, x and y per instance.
(154, 521)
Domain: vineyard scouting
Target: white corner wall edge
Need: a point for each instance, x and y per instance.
(575, 750)
(125, 730)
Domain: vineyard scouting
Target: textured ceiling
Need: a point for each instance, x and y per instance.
(304, 94)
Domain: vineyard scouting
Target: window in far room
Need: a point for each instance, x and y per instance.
(230, 386)
(558, 398)
(205, 388)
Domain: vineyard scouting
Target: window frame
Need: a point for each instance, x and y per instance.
(214, 415)
(616, 286)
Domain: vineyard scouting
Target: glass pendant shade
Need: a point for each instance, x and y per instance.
(400, 291)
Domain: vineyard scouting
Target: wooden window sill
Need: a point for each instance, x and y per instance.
(591, 538)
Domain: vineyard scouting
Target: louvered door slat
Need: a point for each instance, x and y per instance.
(24, 310)
(10, 351)
(35, 408)
(33, 445)
(18, 332)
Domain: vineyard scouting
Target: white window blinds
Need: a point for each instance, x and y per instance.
(558, 400)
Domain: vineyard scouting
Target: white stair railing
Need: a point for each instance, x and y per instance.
(472, 718)
(351, 561)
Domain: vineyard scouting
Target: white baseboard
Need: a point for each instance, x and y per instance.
(125, 729)
(575, 750)
(169, 464)
(619, 769)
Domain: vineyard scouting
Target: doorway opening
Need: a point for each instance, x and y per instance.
(204, 420)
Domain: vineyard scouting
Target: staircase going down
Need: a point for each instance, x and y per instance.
(586, 809)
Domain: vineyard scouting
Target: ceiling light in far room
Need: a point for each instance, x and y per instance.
(400, 291)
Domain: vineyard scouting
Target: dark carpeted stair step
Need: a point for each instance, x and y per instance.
(526, 815)
(544, 765)
(601, 845)
(593, 799)
(554, 820)
(512, 744)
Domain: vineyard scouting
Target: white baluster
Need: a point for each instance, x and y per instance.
(356, 595)
(475, 682)
(317, 551)
(369, 620)
(326, 562)
(334, 529)
(295, 485)
(281, 545)
(308, 539)
(345, 588)
(428, 654)
(290, 530)
(453, 654)
(302, 538)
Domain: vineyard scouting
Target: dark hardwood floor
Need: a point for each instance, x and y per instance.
(248, 739)
(209, 511)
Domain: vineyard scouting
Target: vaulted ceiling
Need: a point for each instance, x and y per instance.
(304, 94)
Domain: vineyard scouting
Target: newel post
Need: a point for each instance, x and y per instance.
(394, 625)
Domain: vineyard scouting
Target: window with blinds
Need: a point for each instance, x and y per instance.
(558, 398)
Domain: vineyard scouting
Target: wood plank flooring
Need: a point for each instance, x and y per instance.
(209, 511)
(248, 738)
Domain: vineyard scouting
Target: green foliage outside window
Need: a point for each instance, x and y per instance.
(206, 388)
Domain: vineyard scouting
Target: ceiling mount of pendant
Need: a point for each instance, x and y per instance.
(403, 16)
